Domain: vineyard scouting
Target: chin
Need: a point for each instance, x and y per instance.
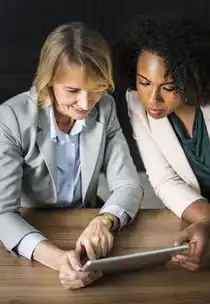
(158, 116)
(78, 117)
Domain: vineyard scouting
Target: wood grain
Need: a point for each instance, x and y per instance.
(26, 282)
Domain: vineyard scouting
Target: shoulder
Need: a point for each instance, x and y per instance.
(136, 112)
(19, 112)
(106, 103)
(104, 108)
(206, 113)
(134, 103)
(23, 103)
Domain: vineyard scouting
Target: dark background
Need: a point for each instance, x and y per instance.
(24, 25)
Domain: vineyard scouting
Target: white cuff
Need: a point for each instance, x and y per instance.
(27, 245)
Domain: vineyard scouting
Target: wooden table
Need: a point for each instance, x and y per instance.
(25, 282)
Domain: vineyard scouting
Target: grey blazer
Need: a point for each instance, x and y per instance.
(28, 166)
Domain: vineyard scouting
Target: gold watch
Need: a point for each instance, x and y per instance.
(110, 217)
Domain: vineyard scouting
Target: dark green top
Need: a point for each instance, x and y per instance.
(197, 148)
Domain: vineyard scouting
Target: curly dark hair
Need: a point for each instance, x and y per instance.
(182, 43)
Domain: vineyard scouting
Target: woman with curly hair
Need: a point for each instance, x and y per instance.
(166, 68)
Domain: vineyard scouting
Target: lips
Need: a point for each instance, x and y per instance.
(80, 111)
(155, 111)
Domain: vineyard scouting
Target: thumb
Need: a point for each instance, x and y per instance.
(181, 238)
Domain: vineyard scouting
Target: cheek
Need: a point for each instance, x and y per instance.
(98, 97)
(143, 95)
(173, 102)
(94, 99)
(64, 98)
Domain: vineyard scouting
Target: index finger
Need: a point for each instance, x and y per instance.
(89, 250)
(74, 260)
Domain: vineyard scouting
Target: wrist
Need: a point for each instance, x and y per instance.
(49, 255)
(109, 220)
(206, 223)
(197, 211)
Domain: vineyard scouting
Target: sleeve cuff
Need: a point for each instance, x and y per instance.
(27, 245)
(118, 212)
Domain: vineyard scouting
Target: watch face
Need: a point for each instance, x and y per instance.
(110, 218)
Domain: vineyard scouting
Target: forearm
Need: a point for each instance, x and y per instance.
(49, 255)
(197, 211)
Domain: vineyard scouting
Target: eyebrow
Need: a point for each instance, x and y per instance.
(165, 83)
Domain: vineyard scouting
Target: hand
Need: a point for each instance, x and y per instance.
(96, 239)
(197, 235)
(70, 273)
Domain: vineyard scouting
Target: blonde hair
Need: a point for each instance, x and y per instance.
(73, 43)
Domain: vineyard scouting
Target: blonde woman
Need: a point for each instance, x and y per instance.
(54, 141)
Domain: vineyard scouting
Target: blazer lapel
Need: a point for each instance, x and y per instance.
(168, 143)
(90, 143)
(46, 145)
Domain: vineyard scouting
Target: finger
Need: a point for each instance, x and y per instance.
(103, 246)
(90, 249)
(110, 239)
(97, 247)
(189, 266)
(79, 248)
(188, 258)
(182, 237)
(75, 276)
(192, 250)
(185, 264)
(93, 277)
(83, 278)
(68, 284)
(175, 260)
(74, 260)
(199, 248)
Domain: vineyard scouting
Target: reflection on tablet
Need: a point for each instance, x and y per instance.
(134, 261)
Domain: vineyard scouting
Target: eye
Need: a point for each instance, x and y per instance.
(169, 89)
(144, 83)
(73, 91)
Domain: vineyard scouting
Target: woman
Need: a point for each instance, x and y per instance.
(166, 68)
(54, 141)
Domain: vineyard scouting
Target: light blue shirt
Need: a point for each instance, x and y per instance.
(68, 183)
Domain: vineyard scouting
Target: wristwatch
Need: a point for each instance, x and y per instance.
(110, 217)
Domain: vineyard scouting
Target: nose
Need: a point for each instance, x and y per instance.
(155, 97)
(83, 101)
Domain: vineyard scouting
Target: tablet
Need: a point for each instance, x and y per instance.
(133, 261)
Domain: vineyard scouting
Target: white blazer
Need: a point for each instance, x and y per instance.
(165, 162)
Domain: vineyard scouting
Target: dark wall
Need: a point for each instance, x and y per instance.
(24, 25)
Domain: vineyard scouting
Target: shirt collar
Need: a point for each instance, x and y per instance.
(56, 133)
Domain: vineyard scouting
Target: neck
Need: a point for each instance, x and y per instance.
(186, 114)
(64, 123)
(185, 111)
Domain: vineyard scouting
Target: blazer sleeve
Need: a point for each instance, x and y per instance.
(174, 192)
(122, 178)
(12, 226)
